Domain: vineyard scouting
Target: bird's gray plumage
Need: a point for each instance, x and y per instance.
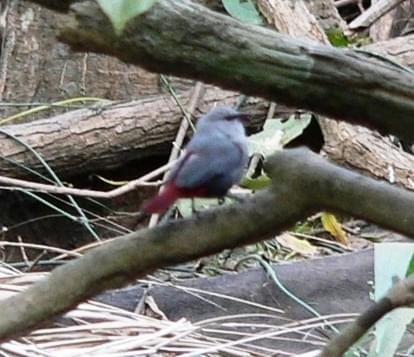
(216, 155)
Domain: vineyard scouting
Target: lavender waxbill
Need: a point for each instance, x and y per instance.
(214, 160)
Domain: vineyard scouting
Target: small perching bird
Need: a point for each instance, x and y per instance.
(214, 160)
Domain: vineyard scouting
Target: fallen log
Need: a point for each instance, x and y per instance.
(107, 136)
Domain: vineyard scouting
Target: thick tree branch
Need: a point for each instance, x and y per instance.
(189, 40)
(303, 183)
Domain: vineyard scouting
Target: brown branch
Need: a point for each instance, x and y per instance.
(196, 95)
(340, 3)
(303, 183)
(14, 184)
(192, 41)
(400, 295)
(351, 145)
(83, 141)
(373, 13)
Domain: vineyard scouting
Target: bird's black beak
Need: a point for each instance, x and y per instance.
(243, 117)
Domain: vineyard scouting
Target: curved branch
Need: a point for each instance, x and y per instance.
(333, 188)
(189, 40)
(400, 295)
(303, 183)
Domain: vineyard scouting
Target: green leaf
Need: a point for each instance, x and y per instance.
(337, 38)
(255, 184)
(243, 10)
(410, 268)
(121, 11)
(276, 134)
(268, 140)
(391, 260)
(295, 126)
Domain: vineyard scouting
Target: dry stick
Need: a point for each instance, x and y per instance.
(179, 139)
(401, 294)
(304, 184)
(289, 71)
(35, 186)
(341, 3)
(375, 11)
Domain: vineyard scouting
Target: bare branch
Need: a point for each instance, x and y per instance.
(401, 294)
(255, 60)
(303, 183)
(375, 12)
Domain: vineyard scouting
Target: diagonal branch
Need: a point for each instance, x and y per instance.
(186, 39)
(400, 295)
(303, 183)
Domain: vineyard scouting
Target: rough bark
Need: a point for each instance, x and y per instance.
(352, 145)
(400, 49)
(257, 61)
(397, 22)
(373, 13)
(107, 136)
(369, 152)
(327, 14)
(366, 150)
(293, 18)
(35, 67)
(304, 183)
(335, 141)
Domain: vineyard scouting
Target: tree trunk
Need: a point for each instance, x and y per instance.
(35, 67)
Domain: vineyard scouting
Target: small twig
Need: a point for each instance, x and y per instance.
(179, 139)
(177, 100)
(82, 217)
(305, 184)
(35, 262)
(272, 274)
(401, 294)
(40, 246)
(23, 251)
(40, 187)
(373, 13)
(341, 3)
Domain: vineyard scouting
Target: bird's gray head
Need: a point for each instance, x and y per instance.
(221, 114)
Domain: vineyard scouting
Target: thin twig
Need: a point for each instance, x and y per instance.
(179, 139)
(40, 187)
(82, 217)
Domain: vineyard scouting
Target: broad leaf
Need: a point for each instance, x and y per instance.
(294, 127)
(410, 268)
(391, 260)
(243, 10)
(300, 246)
(277, 133)
(255, 184)
(121, 11)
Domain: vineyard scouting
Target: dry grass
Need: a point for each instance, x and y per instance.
(96, 329)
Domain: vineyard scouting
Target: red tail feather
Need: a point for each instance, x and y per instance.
(163, 201)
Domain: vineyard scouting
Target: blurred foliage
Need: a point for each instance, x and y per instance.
(243, 10)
